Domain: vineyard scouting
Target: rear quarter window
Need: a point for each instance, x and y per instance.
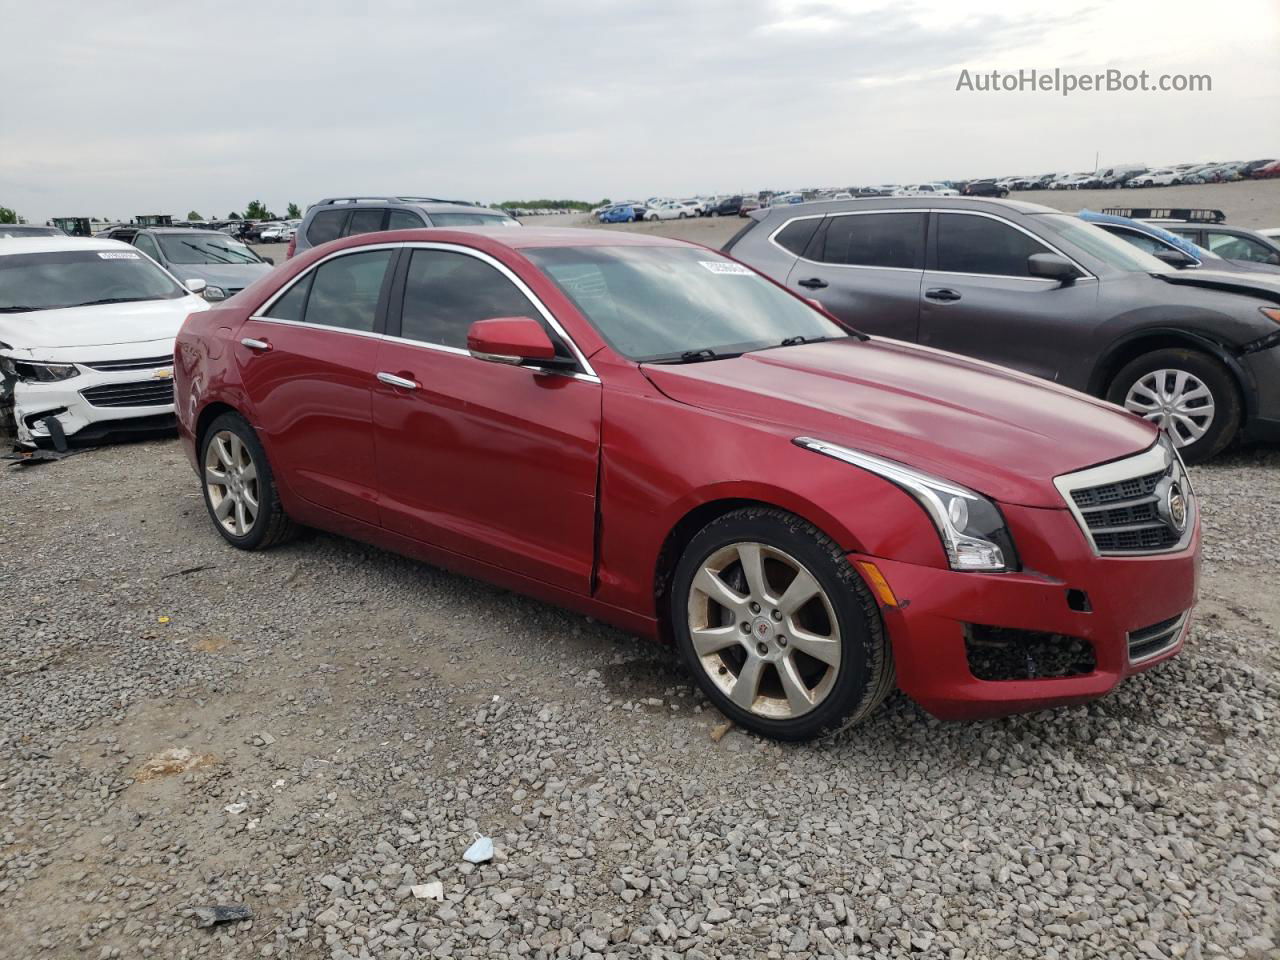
(326, 225)
(795, 236)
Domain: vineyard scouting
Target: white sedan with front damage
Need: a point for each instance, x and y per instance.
(86, 339)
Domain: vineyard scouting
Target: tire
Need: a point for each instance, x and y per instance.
(1161, 384)
(1002, 194)
(794, 696)
(229, 442)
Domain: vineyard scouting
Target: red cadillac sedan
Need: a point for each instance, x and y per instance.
(651, 433)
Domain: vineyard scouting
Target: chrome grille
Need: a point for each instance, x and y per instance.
(143, 363)
(1120, 506)
(145, 393)
(1156, 639)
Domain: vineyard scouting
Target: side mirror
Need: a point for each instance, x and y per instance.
(514, 340)
(1174, 258)
(196, 286)
(1050, 266)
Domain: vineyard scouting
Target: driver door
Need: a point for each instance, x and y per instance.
(495, 462)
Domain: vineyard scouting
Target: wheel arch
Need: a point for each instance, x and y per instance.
(209, 413)
(1129, 348)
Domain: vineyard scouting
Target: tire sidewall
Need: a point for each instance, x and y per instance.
(844, 588)
(1209, 371)
(234, 423)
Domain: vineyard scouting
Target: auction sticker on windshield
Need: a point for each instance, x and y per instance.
(724, 266)
(121, 255)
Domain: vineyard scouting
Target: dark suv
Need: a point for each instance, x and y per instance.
(1029, 287)
(348, 216)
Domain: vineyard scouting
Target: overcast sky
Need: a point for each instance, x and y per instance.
(113, 109)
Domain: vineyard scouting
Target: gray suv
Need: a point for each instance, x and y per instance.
(347, 216)
(1029, 287)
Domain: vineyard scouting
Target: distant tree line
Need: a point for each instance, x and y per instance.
(547, 204)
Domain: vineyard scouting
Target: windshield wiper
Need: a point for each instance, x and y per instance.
(21, 308)
(94, 303)
(695, 356)
(199, 248)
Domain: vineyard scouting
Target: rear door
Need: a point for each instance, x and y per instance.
(979, 299)
(488, 460)
(864, 267)
(307, 364)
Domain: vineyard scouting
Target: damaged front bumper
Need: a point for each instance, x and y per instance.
(120, 388)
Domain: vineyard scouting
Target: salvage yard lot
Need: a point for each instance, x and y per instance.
(313, 730)
(372, 714)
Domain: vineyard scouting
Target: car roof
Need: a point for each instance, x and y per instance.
(988, 204)
(17, 245)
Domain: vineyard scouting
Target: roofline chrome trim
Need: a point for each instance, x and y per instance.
(1087, 274)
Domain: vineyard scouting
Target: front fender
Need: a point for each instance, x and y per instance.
(652, 480)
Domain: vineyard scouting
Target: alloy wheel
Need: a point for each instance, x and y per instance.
(764, 630)
(1177, 401)
(231, 480)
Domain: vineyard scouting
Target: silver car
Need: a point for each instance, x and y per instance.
(225, 264)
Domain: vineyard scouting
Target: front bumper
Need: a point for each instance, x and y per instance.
(94, 404)
(938, 608)
(1263, 368)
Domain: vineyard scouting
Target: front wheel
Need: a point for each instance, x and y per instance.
(777, 628)
(239, 489)
(1188, 394)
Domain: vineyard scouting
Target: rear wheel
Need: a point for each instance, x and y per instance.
(239, 488)
(777, 628)
(1188, 394)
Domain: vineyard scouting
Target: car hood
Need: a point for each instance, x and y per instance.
(74, 328)
(234, 275)
(1263, 285)
(1000, 432)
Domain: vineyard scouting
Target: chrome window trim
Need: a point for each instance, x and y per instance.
(1086, 274)
(1152, 460)
(587, 375)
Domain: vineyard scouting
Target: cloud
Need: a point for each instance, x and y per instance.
(117, 109)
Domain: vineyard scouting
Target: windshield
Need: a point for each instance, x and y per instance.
(205, 248)
(1106, 247)
(471, 220)
(654, 303)
(7, 230)
(78, 278)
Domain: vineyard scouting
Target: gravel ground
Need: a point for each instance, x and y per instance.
(316, 730)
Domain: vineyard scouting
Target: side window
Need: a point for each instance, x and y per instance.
(972, 244)
(1140, 240)
(876, 240)
(404, 220)
(795, 236)
(326, 226)
(446, 292)
(344, 291)
(147, 246)
(364, 221)
(1239, 248)
(290, 306)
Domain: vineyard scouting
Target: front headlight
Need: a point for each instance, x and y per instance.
(211, 293)
(34, 372)
(972, 531)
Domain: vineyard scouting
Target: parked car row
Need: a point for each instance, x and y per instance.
(823, 462)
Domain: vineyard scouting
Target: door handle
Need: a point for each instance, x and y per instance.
(942, 294)
(391, 380)
(813, 283)
(260, 345)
